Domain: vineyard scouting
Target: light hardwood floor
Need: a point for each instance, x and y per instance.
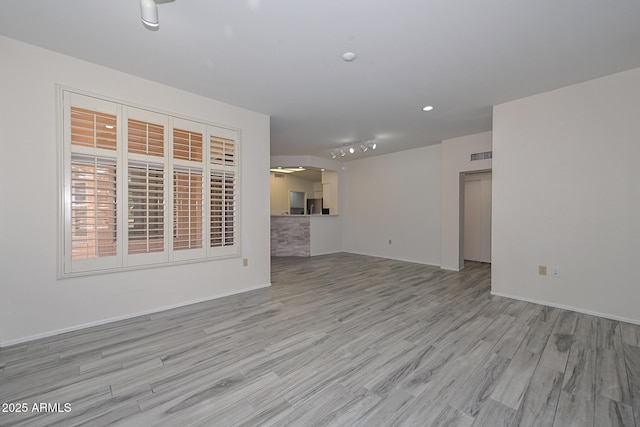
(338, 340)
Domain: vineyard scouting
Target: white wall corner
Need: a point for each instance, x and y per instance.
(456, 159)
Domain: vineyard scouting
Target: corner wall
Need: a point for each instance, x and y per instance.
(33, 303)
(393, 197)
(566, 193)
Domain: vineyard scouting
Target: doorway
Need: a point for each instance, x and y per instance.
(477, 216)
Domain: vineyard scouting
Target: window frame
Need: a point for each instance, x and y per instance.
(123, 261)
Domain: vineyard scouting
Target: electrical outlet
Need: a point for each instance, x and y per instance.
(542, 270)
(555, 271)
(389, 241)
(245, 262)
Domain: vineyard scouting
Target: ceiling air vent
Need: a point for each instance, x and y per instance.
(482, 156)
(278, 175)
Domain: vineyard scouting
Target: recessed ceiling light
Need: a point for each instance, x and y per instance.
(427, 108)
(349, 56)
(286, 170)
(109, 126)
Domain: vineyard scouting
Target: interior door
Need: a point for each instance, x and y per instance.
(477, 217)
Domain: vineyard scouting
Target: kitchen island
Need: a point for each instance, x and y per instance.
(305, 235)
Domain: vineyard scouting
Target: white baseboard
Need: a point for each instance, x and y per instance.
(124, 317)
(326, 253)
(414, 261)
(568, 307)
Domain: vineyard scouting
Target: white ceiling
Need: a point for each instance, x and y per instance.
(283, 57)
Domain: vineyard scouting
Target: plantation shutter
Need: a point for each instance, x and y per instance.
(143, 188)
(223, 182)
(91, 225)
(146, 187)
(93, 207)
(187, 207)
(188, 155)
(146, 208)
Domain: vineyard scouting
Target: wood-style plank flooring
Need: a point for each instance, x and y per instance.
(338, 340)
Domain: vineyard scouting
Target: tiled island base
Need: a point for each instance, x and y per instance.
(290, 236)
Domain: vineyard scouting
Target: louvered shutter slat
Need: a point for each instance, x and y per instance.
(222, 151)
(187, 145)
(146, 208)
(187, 215)
(93, 207)
(93, 129)
(223, 209)
(146, 138)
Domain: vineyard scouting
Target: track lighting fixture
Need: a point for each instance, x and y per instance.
(362, 145)
(149, 13)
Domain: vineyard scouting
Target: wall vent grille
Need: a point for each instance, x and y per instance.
(482, 156)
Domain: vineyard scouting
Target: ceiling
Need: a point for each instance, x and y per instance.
(284, 58)
(310, 174)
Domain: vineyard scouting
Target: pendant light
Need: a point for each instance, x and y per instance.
(149, 14)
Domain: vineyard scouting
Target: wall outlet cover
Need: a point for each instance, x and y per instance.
(542, 270)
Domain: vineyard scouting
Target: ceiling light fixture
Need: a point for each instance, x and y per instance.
(427, 108)
(363, 145)
(149, 13)
(349, 56)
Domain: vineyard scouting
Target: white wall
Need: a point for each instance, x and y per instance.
(330, 192)
(566, 193)
(394, 197)
(456, 159)
(32, 302)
